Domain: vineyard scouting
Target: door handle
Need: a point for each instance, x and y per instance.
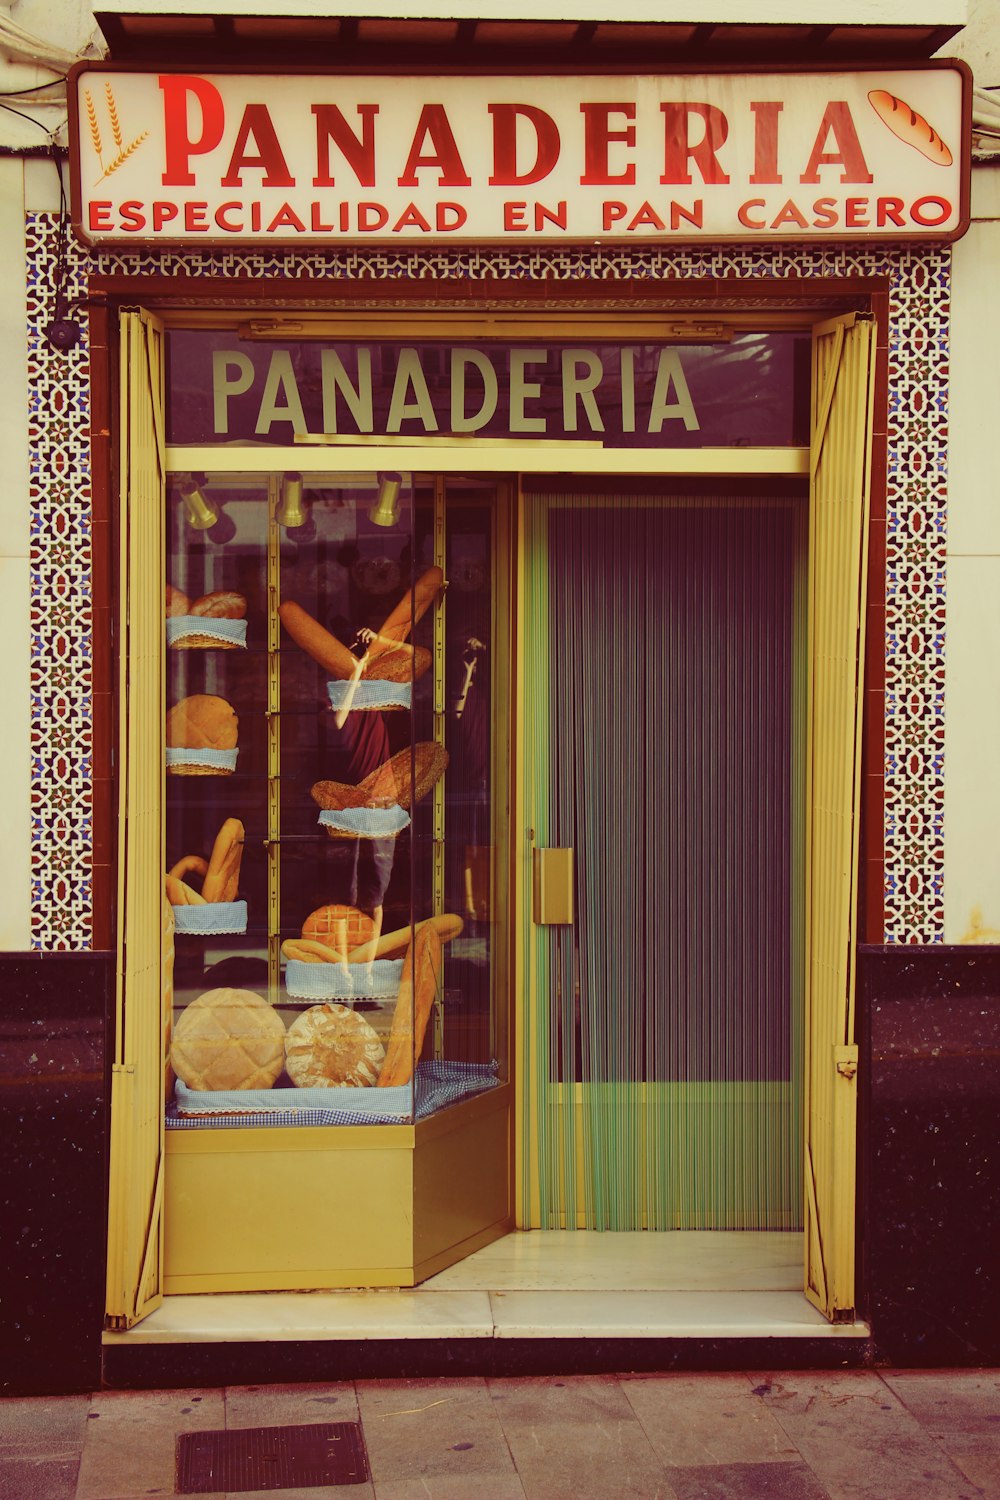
(552, 886)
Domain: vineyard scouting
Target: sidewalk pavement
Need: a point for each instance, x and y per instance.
(842, 1435)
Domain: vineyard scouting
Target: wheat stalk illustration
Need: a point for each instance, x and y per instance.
(123, 151)
(116, 129)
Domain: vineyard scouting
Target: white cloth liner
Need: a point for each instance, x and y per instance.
(366, 822)
(370, 694)
(222, 760)
(213, 917)
(232, 632)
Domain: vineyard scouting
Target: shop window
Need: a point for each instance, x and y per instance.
(328, 809)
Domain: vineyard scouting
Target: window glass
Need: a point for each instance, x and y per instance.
(329, 814)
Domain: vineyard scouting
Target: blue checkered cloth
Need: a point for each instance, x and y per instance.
(226, 632)
(366, 822)
(378, 980)
(437, 1084)
(213, 917)
(370, 695)
(219, 760)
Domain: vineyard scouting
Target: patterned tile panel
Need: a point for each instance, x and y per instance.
(915, 566)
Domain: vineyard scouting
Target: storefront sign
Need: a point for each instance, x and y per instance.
(749, 392)
(230, 158)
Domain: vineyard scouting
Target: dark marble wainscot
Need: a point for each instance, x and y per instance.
(930, 1153)
(54, 1015)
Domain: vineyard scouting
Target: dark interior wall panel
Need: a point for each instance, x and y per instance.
(54, 1010)
(931, 1153)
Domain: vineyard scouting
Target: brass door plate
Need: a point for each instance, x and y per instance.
(552, 882)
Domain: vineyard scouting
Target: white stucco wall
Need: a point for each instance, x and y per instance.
(972, 692)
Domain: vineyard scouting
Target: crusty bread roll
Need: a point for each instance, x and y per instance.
(447, 926)
(910, 127)
(202, 722)
(402, 665)
(221, 606)
(329, 1046)
(317, 642)
(405, 779)
(331, 923)
(177, 603)
(228, 1039)
(335, 796)
(417, 989)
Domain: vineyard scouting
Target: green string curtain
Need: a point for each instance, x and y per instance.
(664, 743)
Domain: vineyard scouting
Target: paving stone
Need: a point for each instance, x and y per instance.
(328, 1492)
(41, 1478)
(452, 1487)
(45, 1426)
(289, 1405)
(858, 1438)
(768, 1481)
(706, 1419)
(578, 1439)
(130, 1442)
(438, 1427)
(947, 1401)
(981, 1465)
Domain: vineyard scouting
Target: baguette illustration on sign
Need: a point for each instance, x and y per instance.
(910, 127)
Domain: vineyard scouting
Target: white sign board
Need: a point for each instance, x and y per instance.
(326, 159)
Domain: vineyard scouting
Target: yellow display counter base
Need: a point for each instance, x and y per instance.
(309, 1208)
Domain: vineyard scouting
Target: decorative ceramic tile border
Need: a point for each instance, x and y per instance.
(915, 567)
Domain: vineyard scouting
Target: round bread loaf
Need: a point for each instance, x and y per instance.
(329, 1046)
(228, 1039)
(399, 666)
(330, 923)
(202, 722)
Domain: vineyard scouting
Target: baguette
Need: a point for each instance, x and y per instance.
(408, 611)
(446, 927)
(910, 127)
(310, 951)
(191, 863)
(179, 894)
(417, 991)
(222, 879)
(317, 642)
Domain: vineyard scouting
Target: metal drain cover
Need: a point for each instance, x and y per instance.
(271, 1458)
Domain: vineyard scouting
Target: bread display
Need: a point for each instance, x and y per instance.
(330, 1046)
(201, 722)
(220, 606)
(910, 127)
(228, 1039)
(417, 991)
(181, 894)
(310, 951)
(399, 665)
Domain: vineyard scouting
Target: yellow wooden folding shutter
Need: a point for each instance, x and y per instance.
(842, 376)
(135, 1228)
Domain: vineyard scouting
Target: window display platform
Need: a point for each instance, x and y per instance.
(539, 1284)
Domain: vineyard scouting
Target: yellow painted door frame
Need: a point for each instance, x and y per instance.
(135, 1210)
(840, 478)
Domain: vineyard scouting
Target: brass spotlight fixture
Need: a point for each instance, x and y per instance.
(292, 510)
(201, 512)
(385, 511)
